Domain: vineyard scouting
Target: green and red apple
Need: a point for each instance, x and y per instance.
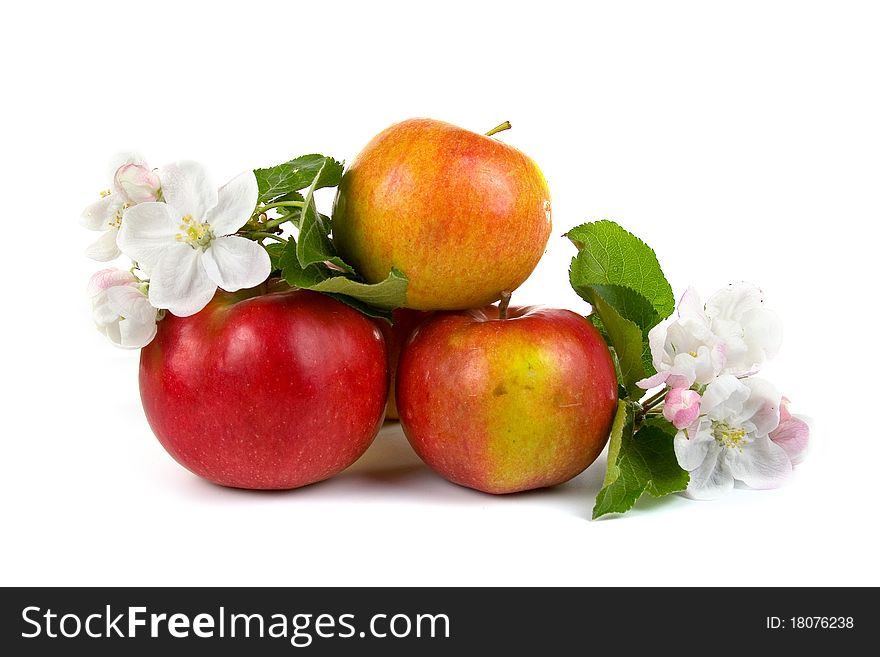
(507, 404)
(463, 215)
(266, 390)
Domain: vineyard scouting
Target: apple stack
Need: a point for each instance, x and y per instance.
(276, 388)
(495, 398)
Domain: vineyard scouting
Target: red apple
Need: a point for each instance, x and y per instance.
(463, 215)
(396, 335)
(270, 391)
(506, 405)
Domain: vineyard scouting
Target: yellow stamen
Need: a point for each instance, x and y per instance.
(195, 233)
(730, 437)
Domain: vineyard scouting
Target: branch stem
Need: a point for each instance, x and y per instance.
(651, 402)
(262, 235)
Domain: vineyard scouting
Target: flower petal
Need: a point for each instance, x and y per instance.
(121, 159)
(102, 312)
(107, 278)
(732, 302)
(188, 188)
(691, 306)
(234, 263)
(136, 184)
(180, 282)
(712, 479)
(236, 201)
(681, 407)
(792, 435)
(724, 395)
(762, 335)
(129, 302)
(762, 406)
(101, 214)
(692, 447)
(104, 248)
(136, 335)
(112, 332)
(760, 464)
(147, 232)
(653, 381)
(657, 342)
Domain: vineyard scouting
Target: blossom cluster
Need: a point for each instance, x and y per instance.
(180, 231)
(732, 426)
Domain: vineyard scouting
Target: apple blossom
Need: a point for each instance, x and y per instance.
(730, 440)
(685, 351)
(732, 334)
(120, 308)
(681, 407)
(132, 183)
(187, 244)
(752, 334)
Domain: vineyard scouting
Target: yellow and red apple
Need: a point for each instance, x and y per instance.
(506, 405)
(464, 216)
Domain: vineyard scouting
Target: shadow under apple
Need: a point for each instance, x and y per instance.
(391, 472)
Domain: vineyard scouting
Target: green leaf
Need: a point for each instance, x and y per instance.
(620, 277)
(296, 275)
(366, 309)
(626, 337)
(310, 261)
(610, 255)
(275, 251)
(640, 463)
(381, 297)
(387, 294)
(623, 424)
(629, 304)
(634, 307)
(299, 173)
(313, 244)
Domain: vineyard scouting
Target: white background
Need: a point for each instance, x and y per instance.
(740, 140)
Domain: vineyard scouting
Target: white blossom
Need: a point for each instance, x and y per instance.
(731, 439)
(187, 245)
(751, 333)
(132, 183)
(120, 308)
(732, 334)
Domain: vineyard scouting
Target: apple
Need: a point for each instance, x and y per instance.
(266, 390)
(507, 404)
(404, 322)
(463, 215)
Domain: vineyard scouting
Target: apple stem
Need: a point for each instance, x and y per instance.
(499, 128)
(502, 307)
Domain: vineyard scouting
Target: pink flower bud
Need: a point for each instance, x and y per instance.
(681, 407)
(136, 183)
(106, 278)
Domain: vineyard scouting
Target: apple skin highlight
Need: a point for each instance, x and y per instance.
(266, 392)
(507, 405)
(463, 215)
